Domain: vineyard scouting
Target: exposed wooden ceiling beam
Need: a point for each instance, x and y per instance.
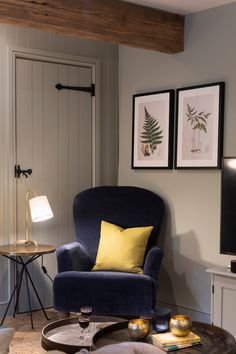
(109, 20)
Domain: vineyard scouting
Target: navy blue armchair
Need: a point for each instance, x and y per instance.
(109, 292)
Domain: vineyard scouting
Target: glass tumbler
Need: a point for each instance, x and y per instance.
(160, 319)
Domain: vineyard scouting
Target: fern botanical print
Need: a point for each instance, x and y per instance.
(151, 135)
(198, 121)
(152, 129)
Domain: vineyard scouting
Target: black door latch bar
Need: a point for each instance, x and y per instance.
(90, 89)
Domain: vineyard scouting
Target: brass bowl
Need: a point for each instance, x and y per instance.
(180, 325)
(138, 328)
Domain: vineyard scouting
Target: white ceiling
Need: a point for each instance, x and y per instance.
(182, 6)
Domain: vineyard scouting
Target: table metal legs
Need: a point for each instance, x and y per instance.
(17, 287)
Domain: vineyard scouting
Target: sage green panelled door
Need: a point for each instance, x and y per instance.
(54, 139)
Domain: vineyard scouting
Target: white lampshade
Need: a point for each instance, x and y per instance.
(40, 209)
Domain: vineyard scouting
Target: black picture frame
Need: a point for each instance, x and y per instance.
(199, 126)
(152, 130)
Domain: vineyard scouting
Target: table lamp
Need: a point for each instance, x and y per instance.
(40, 210)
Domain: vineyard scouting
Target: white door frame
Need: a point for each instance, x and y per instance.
(60, 58)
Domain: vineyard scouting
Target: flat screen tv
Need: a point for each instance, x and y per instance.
(228, 206)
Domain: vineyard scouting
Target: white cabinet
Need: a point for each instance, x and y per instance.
(223, 298)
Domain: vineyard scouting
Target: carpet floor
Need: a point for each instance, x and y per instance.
(27, 340)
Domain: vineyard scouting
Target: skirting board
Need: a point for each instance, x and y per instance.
(195, 315)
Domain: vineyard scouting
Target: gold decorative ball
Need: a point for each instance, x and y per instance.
(138, 328)
(180, 325)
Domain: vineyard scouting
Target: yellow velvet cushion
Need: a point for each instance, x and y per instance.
(122, 249)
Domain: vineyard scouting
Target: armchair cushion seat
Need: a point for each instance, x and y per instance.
(126, 290)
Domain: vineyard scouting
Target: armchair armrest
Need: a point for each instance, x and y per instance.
(152, 262)
(73, 256)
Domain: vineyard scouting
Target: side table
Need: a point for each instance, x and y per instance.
(15, 252)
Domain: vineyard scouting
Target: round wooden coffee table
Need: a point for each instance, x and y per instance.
(64, 335)
(214, 339)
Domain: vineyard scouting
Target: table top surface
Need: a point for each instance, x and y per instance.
(25, 250)
(224, 271)
(63, 335)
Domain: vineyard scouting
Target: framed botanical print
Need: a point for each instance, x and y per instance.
(199, 133)
(152, 130)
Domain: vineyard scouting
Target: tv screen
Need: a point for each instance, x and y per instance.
(228, 206)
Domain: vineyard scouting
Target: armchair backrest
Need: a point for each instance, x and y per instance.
(124, 206)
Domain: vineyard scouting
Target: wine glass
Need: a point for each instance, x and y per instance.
(86, 310)
(84, 323)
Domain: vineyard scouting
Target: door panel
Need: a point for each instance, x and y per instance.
(54, 138)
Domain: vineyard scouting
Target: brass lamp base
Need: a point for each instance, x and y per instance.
(26, 242)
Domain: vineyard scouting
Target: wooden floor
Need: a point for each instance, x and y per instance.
(27, 340)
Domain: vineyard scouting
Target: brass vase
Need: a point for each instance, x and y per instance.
(138, 328)
(180, 325)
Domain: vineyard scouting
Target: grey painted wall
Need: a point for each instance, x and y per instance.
(191, 232)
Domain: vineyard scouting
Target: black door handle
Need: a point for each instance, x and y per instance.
(19, 172)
